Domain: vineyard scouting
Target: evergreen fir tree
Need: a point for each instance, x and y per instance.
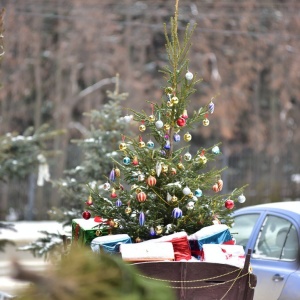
(158, 188)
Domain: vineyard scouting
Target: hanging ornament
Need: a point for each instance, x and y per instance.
(169, 228)
(126, 160)
(180, 166)
(141, 143)
(187, 156)
(174, 199)
(142, 127)
(211, 107)
(190, 205)
(152, 172)
(169, 197)
(205, 121)
(89, 201)
(128, 210)
(138, 190)
(112, 175)
(215, 150)
(215, 188)
(138, 240)
(118, 203)
(169, 104)
(122, 145)
(168, 90)
(241, 198)
(159, 124)
(166, 137)
(106, 186)
(150, 144)
(141, 197)
(189, 75)
(229, 204)
(220, 184)
(202, 159)
(135, 161)
(158, 168)
(187, 137)
(184, 114)
(167, 145)
(167, 127)
(181, 122)
(152, 231)
(128, 118)
(151, 180)
(174, 100)
(169, 113)
(113, 194)
(117, 172)
(142, 219)
(173, 171)
(163, 152)
(198, 193)
(98, 219)
(186, 190)
(176, 137)
(111, 222)
(141, 177)
(86, 215)
(177, 213)
(164, 168)
(151, 118)
(158, 229)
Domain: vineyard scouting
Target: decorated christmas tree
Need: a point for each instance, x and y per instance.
(158, 187)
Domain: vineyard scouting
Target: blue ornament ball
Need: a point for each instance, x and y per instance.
(198, 193)
(167, 145)
(152, 231)
(142, 219)
(176, 137)
(177, 213)
(118, 203)
(215, 150)
(150, 144)
(126, 160)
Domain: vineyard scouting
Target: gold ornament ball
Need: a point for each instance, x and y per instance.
(168, 90)
(174, 100)
(202, 159)
(164, 168)
(187, 137)
(169, 103)
(180, 166)
(141, 144)
(191, 195)
(168, 113)
(138, 240)
(158, 229)
(122, 146)
(205, 122)
(167, 126)
(151, 118)
(116, 224)
(138, 190)
(174, 199)
(128, 210)
(142, 128)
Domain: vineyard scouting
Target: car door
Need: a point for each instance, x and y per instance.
(273, 239)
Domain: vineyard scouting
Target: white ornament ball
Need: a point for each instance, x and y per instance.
(190, 205)
(241, 198)
(186, 190)
(159, 124)
(189, 75)
(187, 156)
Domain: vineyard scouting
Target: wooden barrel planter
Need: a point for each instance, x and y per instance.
(202, 280)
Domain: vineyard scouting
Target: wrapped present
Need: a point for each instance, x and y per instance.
(225, 254)
(180, 244)
(110, 243)
(142, 252)
(84, 231)
(214, 234)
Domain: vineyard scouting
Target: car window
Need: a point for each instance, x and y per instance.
(277, 240)
(242, 228)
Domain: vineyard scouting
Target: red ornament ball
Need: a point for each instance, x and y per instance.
(229, 204)
(86, 215)
(151, 180)
(98, 219)
(141, 197)
(181, 122)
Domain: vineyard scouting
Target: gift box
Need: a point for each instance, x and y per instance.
(110, 243)
(225, 254)
(214, 234)
(147, 252)
(84, 231)
(180, 244)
